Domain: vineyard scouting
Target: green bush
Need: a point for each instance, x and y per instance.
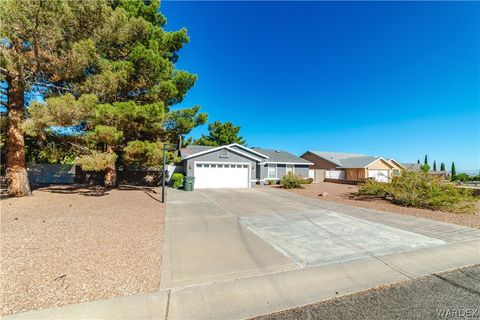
(270, 182)
(291, 181)
(177, 180)
(421, 190)
(307, 181)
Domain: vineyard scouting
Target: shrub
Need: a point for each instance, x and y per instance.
(177, 180)
(307, 181)
(270, 182)
(96, 161)
(291, 181)
(421, 190)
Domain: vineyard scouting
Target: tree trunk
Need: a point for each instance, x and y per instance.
(110, 179)
(17, 177)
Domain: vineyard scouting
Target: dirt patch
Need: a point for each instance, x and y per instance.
(66, 245)
(346, 194)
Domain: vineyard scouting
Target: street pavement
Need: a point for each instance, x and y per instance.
(450, 295)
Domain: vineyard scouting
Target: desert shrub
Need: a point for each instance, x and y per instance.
(307, 181)
(374, 188)
(96, 161)
(291, 181)
(177, 180)
(421, 190)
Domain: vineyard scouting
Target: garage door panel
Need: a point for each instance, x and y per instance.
(208, 175)
(378, 175)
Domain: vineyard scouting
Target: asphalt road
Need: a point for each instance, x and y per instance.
(450, 295)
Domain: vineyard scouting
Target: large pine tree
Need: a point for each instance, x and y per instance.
(132, 75)
(44, 44)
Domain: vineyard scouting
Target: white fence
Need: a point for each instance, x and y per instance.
(334, 174)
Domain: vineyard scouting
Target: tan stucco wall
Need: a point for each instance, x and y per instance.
(318, 162)
(395, 166)
(379, 165)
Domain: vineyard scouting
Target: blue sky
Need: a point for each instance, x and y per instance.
(390, 79)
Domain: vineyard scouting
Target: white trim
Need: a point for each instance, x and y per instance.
(294, 163)
(229, 147)
(366, 167)
(248, 149)
(220, 148)
(398, 163)
(246, 155)
(229, 163)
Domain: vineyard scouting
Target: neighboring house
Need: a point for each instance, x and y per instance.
(352, 166)
(236, 166)
(417, 168)
(412, 166)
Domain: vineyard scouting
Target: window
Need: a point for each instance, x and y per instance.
(199, 165)
(224, 153)
(395, 172)
(220, 165)
(289, 168)
(272, 171)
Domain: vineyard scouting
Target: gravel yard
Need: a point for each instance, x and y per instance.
(65, 246)
(346, 194)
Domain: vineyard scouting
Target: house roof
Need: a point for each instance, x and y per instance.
(349, 160)
(336, 157)
(358, 162)
(398, 163)
(281, 156)
(269, 155)
(412, 166)
(192, 149)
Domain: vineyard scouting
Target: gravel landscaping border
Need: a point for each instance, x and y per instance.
(68, 245)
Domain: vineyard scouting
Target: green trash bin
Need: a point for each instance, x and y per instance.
(188, 183)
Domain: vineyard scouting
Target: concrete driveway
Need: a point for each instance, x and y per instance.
(263, 242)
(234, 254)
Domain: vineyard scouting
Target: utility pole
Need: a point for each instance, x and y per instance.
(165, 148)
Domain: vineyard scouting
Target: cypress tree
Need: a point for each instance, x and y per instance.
(453, 171)
(434, 165)
(418, 161)
(426, 160)
(442, 166)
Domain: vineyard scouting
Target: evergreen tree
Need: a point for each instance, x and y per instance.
(45, 44)
(418, 161)
(426, 160)
(442, 166)
(453, 172)
(134, 79)
(434, 165)
(221, 134)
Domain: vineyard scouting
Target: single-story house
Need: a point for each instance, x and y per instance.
(237, 166)
(352, 166)
(416, 167)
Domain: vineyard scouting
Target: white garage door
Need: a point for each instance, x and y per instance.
(379, 175)
(209, 175)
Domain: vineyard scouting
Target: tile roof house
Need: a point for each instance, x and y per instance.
(237, 166)
(353, 166)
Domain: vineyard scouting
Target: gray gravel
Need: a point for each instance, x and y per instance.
(432, 297)
(66, 246)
